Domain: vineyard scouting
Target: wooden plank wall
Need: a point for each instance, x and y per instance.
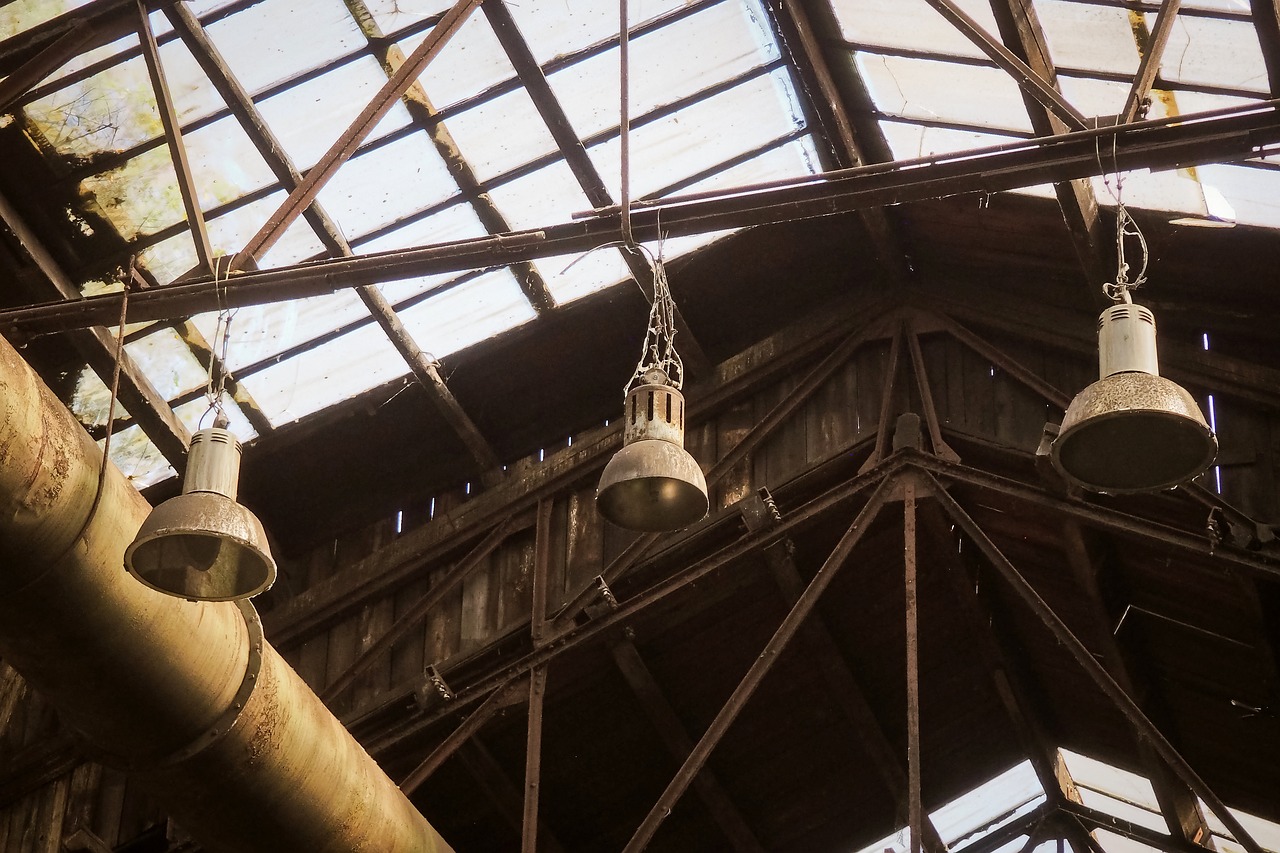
(973, 397)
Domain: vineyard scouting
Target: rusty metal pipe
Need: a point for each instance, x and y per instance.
(186, 695)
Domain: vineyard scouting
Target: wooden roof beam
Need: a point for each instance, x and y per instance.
(1266, 21)
(797, 26)
(1020, 28)
(1152, 52)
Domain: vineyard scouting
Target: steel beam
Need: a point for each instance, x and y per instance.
(1149, 67)
(1095, 670)
(1159, 143)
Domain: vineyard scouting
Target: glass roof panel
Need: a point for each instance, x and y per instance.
(926, 89)
(90, 57)
(196, 415)
(1115, 843)
(137, 458)
(307, 132)
(275, 40)
(908, 140)
(110, 111)
(260, 332)
(543, 197)
(471, 61)
(699, 136)
(394, 15)
(456, 222)
(678, 60)
(234, 229)
(571, 277)
(1112, 780)
(1252, 193)
(911, 24)
(138, 213)
(1217, 52)
(225, 164)
(524, 135)
(386, 184)
(1080, 35)
(468, 313)
(1125, 811)
(335, 371)
(556, 29)
(990, 805)
(1265, 832)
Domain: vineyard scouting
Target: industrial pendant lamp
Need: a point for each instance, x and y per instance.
(652, 484)
(1132, 430)
(203, 545)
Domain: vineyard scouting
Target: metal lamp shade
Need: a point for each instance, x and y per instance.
(1132, 430)
(653, 484)
(203, 545)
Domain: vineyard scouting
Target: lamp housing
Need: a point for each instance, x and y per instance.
(653, 484)
(203, 545)
(1132, 430)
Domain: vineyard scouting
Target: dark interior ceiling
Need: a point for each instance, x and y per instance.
(1005, 264)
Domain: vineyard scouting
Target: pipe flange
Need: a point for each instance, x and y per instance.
(220, 726)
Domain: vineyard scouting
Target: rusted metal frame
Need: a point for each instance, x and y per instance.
(1108, 519)
(502, 696)
(1020, 27)
(504, 794)
(302, 196)
(1152, 52)
(1266, 21)
(579, 162)
(173, 132)
(533, 760)
(915, 804)
(610, 623)
(413, 618)
(759, 668)
(424, 116)
(846, 691)
(792, 19)
(1095, 670)
(97, 346)
(886, 400)
(1153, 144)
(48, 60)
(1027, 79)
(1006, 676)
(105, 22)
(930, 409)
(1177, 803)
(1005, 362)
(767, 147)
(1129, 829)
(671, 731)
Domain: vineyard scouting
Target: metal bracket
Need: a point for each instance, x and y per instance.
(433, 688)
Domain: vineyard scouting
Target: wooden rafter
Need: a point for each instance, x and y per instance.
(1149, 67)
(1266, 21)
(1020, 28)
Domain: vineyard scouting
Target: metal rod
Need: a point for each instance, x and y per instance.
(930, 411)
(498, 699)
(1152, 52)
(886, 402)
(1155, 144)
(533, 760)
(1144, 727)
(759, 668)
(915, 807)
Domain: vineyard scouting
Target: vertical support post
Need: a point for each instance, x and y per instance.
(886, 402)
(915, 809)
(541, 572)
(533, 759)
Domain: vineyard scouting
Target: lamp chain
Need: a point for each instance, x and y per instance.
(659, 340)
(216, 381)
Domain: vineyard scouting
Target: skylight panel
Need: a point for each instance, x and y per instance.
(543, 197)
(458, 221)
(1216, 52)
(1098, 38)
(230, 232)
(989, 806)
(21, 15)
(556, 29)
(141, 197)
(911, 24)
(500, 134)
(110, 111)
(394, 15)
(225, 164)
(1115, 843)
(701, 135)
(1265, 832)
(137, 458)
(676, 61)
(334, 371)
(260, 332)
(470, 62)
(1101, 97)
(386, 184)
(1108, 779)
(908, 140)
(310, 117)
(571, 277)
(928, 90)
(468, 313)
(275, 40)
(196, 415)
(1253, 194)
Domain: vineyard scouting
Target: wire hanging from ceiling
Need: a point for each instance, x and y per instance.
(216, 378)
